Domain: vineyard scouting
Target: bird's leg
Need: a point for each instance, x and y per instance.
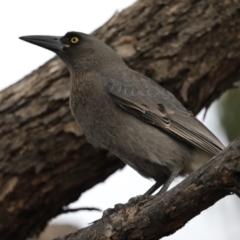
(168, 182)
(155, 186)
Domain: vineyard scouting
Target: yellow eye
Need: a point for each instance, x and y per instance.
(74, 40)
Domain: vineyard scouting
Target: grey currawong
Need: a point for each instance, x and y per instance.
(129, 114)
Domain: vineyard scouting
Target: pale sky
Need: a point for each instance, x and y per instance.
(25, 17)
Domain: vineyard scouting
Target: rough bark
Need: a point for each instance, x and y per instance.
(157, 216)
(191, 47)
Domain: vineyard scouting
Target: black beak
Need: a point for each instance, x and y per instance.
(52, 43)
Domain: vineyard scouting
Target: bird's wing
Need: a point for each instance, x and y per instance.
(146, 100)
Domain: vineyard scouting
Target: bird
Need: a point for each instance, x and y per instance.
(129, 114)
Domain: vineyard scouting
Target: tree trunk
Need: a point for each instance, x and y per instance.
(191, 47)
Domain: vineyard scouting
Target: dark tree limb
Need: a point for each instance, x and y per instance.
(191, 47)
(69, 210)
(158, 216)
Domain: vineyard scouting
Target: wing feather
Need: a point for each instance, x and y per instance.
(146, 100)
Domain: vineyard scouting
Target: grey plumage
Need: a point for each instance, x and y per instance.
(129, 114)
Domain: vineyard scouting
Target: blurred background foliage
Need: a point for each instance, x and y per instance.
(229, 111)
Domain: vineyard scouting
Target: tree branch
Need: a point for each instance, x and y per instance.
(157, 216)
(191, 47)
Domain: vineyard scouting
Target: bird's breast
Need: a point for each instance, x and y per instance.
(96, 114)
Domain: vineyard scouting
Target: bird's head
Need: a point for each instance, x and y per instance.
(79, 51)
